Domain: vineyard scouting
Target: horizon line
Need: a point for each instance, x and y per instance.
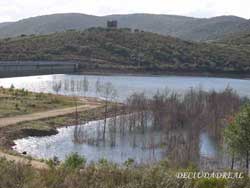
(121, 14)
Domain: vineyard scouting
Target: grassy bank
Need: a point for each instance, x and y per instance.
(48, 126)
(106, 175)
(16, 102)
(19, 102)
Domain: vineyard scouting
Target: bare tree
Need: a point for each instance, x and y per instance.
(72, 85)
(57, 86)
(66, 85)
(107, 92)
(85, 85)
(98, 86)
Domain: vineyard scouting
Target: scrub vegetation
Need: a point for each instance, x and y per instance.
(73, 173)
(125, 50)
(19, 102)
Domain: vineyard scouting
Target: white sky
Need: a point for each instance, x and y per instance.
(12, 10)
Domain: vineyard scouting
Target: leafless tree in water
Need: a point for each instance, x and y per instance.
(57, 86)
(98, 87)
(107, 92)
(85, 85)
(66, 85)
(179, 118)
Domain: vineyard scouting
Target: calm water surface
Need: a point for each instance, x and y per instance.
(142, 147)
(127, 85)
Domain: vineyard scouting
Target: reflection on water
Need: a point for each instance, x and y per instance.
(119, 145)
(209, 147)
(126, 85)
(142, 147)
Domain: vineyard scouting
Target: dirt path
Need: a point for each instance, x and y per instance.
(47, 114)
(4, 122)
(18, 159)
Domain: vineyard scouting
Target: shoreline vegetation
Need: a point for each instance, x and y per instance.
(74, 173)
(12, 101)
(194, 112)
(20, 102)
(142, 73)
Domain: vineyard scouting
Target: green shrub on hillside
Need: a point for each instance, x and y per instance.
(74, 161)
(104, 176)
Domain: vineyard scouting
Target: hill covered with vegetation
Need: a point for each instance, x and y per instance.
(187, 28)
(237, 39)
(122, 49)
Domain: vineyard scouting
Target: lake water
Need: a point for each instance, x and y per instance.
(143, 147)
(126, 85)
(62, 144)
(88, 140)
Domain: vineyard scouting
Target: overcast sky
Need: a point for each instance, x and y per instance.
(12, 10)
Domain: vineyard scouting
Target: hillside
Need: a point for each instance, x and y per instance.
(4, 24)
(237, 39)
(100, 48)
(186, 28)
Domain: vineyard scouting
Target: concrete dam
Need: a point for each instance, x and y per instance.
(29, 68)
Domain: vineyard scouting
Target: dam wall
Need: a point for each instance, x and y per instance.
(29, 68)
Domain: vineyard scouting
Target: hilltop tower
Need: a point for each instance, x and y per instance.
(113, 24)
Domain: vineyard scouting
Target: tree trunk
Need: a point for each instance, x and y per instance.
(115, 121)
(247, 161)
(76, 113)
(105, 119)
(232, 164)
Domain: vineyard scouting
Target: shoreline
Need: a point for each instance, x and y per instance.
(130, 72)
(48, 127)
(163, 74)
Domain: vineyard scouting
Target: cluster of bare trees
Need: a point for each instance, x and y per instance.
(183, 118)
(104, 90)
(73, 86)
(179, 118)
